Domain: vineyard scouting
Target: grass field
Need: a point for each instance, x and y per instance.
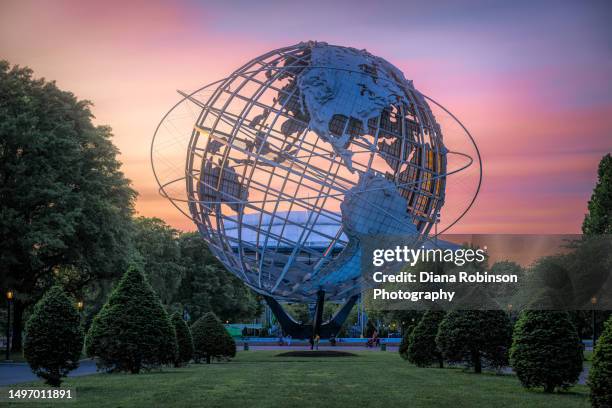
(259, 379)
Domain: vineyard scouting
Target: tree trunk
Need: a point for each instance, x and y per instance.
(207, 359)
(136, 364)
(441, 362)
(16, 341)
(549, 388)
(476, 361)
(54, 378)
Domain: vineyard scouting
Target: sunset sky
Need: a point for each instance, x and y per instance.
(532, 82)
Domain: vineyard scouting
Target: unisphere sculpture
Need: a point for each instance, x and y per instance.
(295, 156)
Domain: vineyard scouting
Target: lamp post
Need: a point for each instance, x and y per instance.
(9, 299)
(593, 302)
(80, 305)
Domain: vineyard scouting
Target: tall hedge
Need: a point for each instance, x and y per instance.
(132, 331)
(475, 337)
(422, 348)
(54, 337)
(184, 340)
(600, 376)
(546, 350)
(211, 340)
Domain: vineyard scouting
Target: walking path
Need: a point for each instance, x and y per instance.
(14, 373)
(392, 349)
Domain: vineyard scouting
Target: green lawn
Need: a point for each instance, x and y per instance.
(259, 379)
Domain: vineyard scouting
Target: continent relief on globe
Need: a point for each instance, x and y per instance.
(348, 82)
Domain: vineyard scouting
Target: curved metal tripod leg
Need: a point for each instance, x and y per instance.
(306, 331)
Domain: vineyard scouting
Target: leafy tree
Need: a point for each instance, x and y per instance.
(550, 282)
(599, 218)
(211, 340)
(422, 349)
(370, 328)
(132, 331)
(63, 200)
(209, 287)
(600, 376)
(158, 245)
(302, 313)
(184, 340)
(405, 343)
(598, 221)
(54, 338)
(546, 351)
(299, 311)
(405, 318)
(505, 291)
(475, 337)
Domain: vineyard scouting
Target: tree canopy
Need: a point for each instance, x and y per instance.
(158, 245)
(599, 218)
(208, 287)
(63, 198)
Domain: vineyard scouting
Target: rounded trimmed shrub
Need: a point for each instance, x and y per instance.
(422, 348)
(600, 376)
(184, 341)
(475, 337)
(54, 337)
(211, 340)
(546, 350)
(132, 331)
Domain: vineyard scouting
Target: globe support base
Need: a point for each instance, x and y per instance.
(325, 330)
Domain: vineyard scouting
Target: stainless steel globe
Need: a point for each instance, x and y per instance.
(300, 153)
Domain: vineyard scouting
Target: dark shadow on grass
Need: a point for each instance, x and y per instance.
(569, 392)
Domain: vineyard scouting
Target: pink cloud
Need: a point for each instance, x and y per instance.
(542, 122)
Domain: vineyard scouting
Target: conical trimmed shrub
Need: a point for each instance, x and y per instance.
(546, 350)
(211, 340)
(403, 347)
(54, 337)
(600, 377)
(132, 331)
(422, 348)
(184, 340)
(475, 337)
(230, 346)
